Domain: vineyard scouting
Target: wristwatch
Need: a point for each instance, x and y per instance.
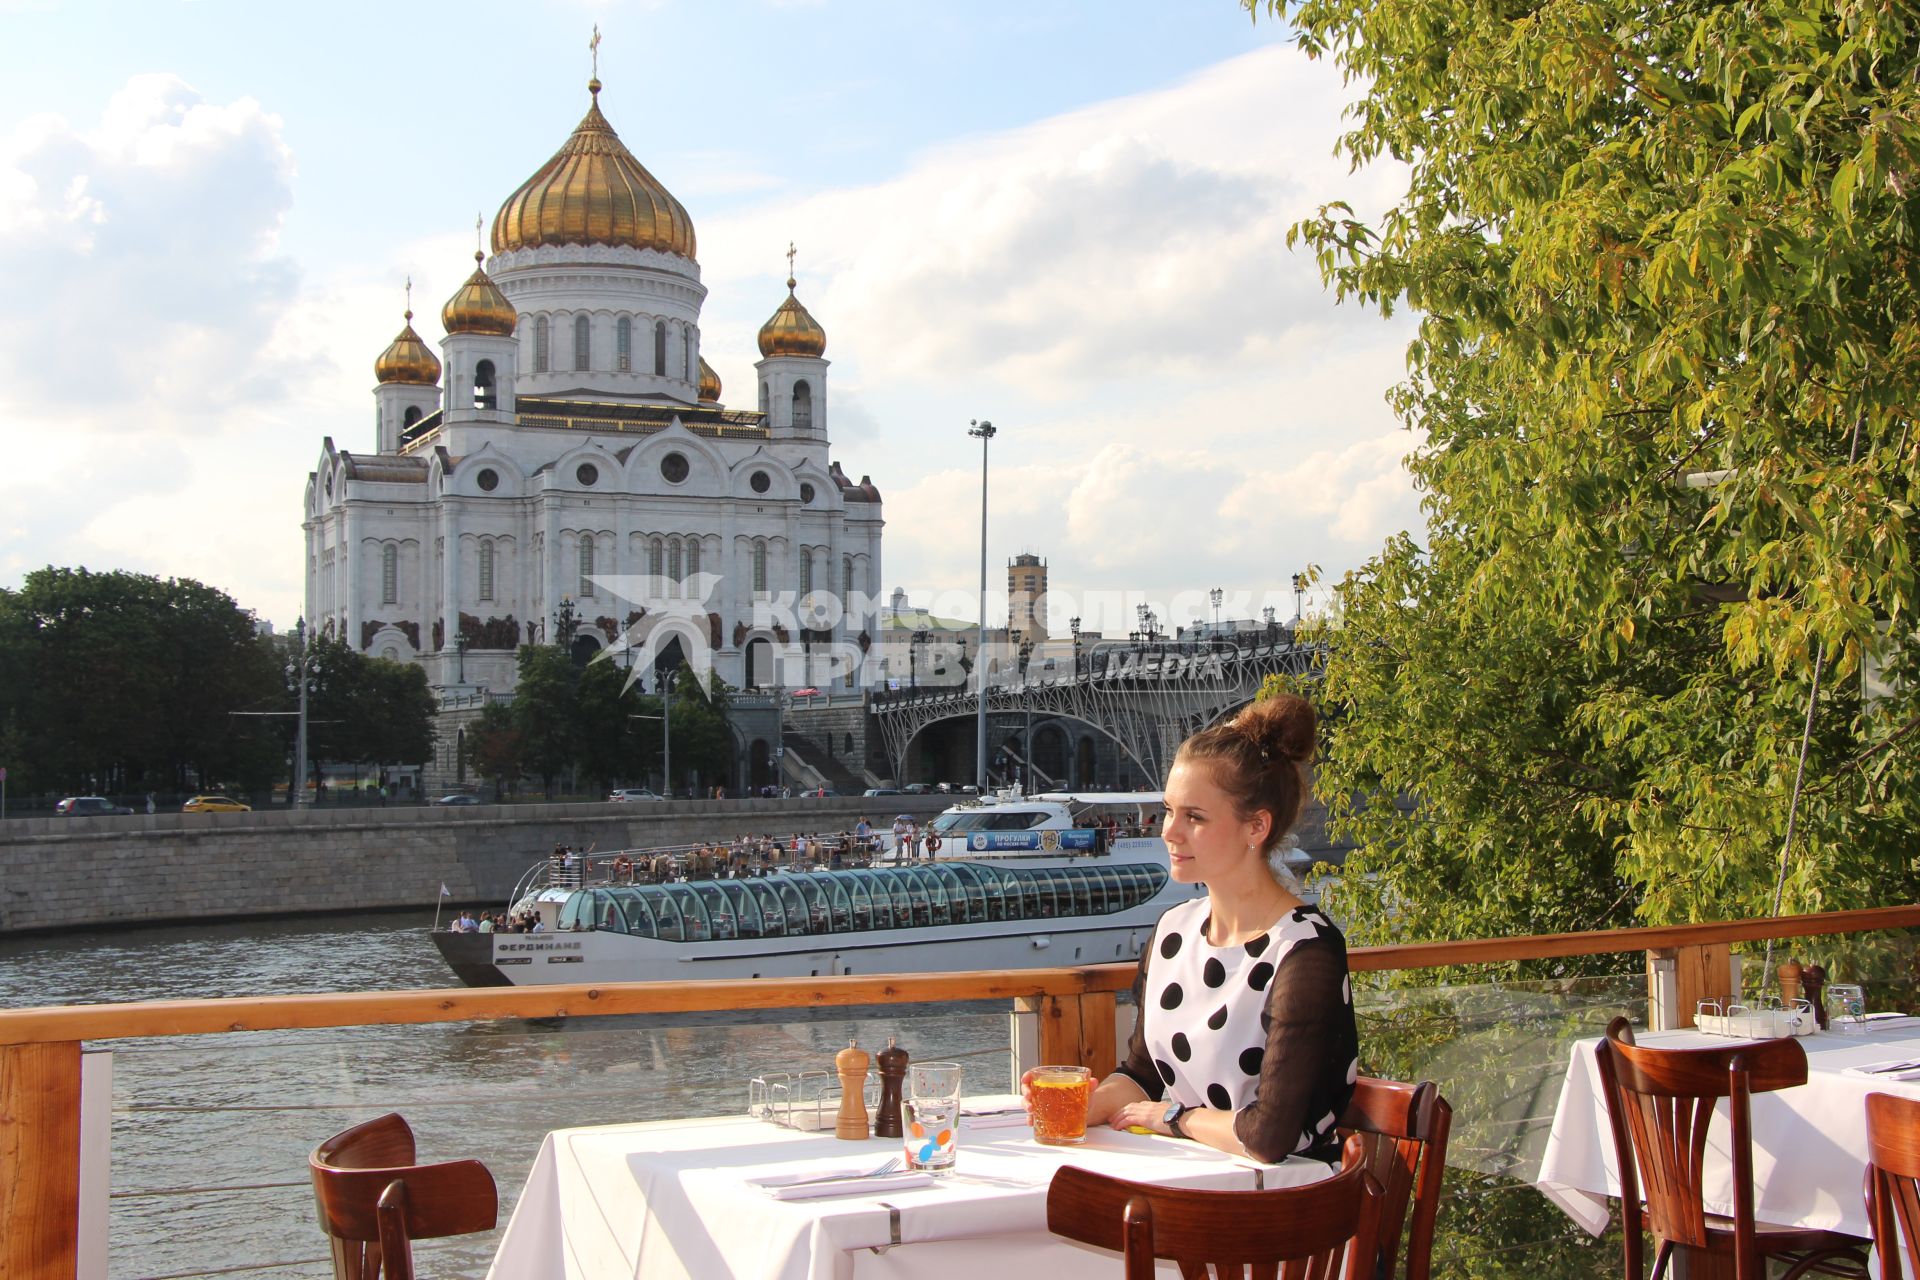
(1171, 1117)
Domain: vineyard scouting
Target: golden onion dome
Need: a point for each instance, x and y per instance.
(593, 192)
(478, 306)
(709, 383)
(407, 359)
(792, 330)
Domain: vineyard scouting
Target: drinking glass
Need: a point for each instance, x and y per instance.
(1057, 1100)
(932, 1115)
(1847, 1008)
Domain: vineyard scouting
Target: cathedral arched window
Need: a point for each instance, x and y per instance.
(484, 396)
(389, 574)
(586, 566)
(846, 579)
(806, 570)
(760, 565)
(411, 416)
(656, 558)
(486, 569)
(763, 399)
(582, 345)
(693, 557)
(802, 406)
(686, 352)
(623, 344)
(540, 345)
(673, 560)
(660, 348)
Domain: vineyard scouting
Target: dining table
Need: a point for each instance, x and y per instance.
(685, 1198)
(1809, 1141)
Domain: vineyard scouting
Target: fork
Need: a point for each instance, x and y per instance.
(890, 1166)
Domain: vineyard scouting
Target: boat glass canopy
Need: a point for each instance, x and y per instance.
(822, 902)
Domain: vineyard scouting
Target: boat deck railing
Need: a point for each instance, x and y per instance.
(1492, 1026)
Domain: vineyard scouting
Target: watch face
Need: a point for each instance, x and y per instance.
(1171, 1118)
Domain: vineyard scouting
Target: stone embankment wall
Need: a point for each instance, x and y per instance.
(66, 873)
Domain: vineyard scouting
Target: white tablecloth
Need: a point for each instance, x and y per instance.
(1809, 1142)
(669, 1199)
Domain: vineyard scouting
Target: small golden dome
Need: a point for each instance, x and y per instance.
(593, 192)
(792, 330)
(478, 306)
(407, 359)
(709, 383)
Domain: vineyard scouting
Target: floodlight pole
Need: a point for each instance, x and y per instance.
(984, 432)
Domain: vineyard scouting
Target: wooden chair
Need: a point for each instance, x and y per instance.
(1288, 1233)
(1893, 1181)
(374, 1201)
(1660, 1103)
(1404, 1127)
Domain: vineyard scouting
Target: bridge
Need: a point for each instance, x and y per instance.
(1147, 698)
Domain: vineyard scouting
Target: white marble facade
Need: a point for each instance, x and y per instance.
(580, 447)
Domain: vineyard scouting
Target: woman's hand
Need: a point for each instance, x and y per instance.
(1141, 1115)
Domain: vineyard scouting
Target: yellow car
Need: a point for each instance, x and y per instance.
(215, 804)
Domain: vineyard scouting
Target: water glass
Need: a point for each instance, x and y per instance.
(931, 1112)
(1847, 1008)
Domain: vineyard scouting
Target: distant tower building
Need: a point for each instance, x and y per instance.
(1027, 599)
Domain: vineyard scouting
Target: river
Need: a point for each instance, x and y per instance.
(211, 1133)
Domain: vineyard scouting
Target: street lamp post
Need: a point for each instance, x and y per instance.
(300, 732)
(984, 432)
(1073, 624)
(460, 649)
(914, 642)
(1216, 595)
(1299, 594)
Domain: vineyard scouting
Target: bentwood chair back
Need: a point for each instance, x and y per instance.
(374, 1201)
(1660, 1103)
(1404, 1127)
(1893, 1181)
(1288, 1233)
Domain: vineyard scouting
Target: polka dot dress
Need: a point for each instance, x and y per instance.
(1204, 1008)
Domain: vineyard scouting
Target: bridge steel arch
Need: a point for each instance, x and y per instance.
(1147, 699)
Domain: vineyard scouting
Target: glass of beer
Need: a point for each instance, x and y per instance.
(1057, 1100)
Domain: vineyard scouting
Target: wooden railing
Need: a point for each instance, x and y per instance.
(40, 1048)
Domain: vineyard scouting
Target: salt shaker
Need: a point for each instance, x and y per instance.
(892, 1062)
(1790, 974)
(851, 1065)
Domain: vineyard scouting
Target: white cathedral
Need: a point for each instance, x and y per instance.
(579, 436)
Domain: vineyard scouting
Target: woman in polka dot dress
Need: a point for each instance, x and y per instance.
(1246, 1038)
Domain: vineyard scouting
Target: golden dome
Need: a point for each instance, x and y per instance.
(709, 383)
(407, 359)
(792, 330)
(478, 306)
(593, 192)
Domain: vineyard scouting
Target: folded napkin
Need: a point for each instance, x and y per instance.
(1891, 1069)
(1891, 1021)
(816, 1183)
(1009, 1119)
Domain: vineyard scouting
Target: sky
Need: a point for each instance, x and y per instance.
(1068, 218)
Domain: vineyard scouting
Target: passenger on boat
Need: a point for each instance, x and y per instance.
(486, 924)
(1246, 1038)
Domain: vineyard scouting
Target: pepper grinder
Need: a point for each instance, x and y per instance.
(1790, 974)
(851, 1065)
(892, 1062)
(1813, 979)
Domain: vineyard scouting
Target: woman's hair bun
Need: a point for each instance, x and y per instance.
(1284, 727)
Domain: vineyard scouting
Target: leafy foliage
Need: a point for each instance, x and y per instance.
(1646, 242)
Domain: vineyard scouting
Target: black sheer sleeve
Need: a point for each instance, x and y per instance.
(1306, 1070)
(1138, 1064)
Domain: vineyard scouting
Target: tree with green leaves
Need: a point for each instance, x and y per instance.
(545, 710)
(1663, 258)
(493, 745)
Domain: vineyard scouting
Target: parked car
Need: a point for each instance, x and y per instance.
(881, 791)
(917, 789)
(631, 795)
(215, 804)
(460, 797)
(91, 807)
(819, 793)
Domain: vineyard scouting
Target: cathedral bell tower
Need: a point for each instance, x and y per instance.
(408, 377)
(793, 370)
(480, 349)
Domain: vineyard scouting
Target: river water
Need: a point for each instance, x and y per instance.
(211, 1133)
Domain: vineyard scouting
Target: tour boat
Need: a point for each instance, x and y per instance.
(1017, 882)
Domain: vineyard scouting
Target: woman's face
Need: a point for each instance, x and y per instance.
(1207, 839)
